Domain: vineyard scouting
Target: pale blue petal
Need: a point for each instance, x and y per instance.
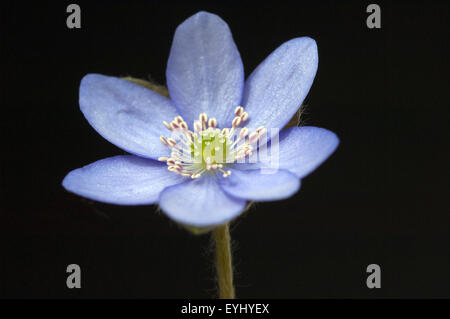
(122, 180)
(200, 202)
(278, 86)
(258, 185)
(126, 114)
(204, 71)
(300, 150)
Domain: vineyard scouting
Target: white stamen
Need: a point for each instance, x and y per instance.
(198, 126)
(188, 157)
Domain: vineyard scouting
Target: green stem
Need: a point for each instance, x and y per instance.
(224, 264)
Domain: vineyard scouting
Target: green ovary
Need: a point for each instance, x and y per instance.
(209, 146)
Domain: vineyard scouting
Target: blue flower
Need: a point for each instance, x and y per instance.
(205, 117)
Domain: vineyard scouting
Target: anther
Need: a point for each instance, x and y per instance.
(171, 142)
(243, 133)
(238, 110)
(167, 125)
(163, 140)
(203, 118)
(179, 119)
(260, 129)
(253, 137)
(212, 122)
(226, 173)
(174, 125)
(236, 122)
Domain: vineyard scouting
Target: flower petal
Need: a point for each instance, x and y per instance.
(200, 202)
(204, 71)
(258, 186)
(300, 150)
(126, 114)
(278, 86)
(122, 180)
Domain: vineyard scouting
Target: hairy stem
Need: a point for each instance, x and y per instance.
(224, 264)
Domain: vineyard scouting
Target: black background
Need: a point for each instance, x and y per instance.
(381, 198)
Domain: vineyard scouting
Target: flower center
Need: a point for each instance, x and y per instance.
(207, 148)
